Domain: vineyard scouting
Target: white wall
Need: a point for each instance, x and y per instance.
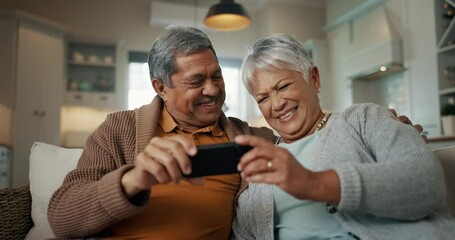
(342, 88)
(304, 22)
(414, 22)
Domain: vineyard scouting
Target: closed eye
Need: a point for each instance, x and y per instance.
(261, 99)
(196, 82)
(284, 87)
(217, 77)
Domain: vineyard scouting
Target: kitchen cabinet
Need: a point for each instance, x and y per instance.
(91, 71)
(32, 78)
(445, 35)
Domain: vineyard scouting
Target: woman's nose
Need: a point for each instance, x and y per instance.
(277, 101)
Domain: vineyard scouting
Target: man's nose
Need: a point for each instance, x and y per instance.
(210, 88)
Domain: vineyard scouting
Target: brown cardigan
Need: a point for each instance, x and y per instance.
(91, 198)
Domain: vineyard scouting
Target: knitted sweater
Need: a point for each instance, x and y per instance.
(91, 198)
(392, 185)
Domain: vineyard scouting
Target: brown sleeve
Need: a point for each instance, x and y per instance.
(91, 198)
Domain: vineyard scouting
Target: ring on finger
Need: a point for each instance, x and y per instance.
(269, 164)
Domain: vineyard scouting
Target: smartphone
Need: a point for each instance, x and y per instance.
(216, 159)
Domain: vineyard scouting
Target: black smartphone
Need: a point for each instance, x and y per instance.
(216, 159)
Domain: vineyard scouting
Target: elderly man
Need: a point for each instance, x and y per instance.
(127, 182)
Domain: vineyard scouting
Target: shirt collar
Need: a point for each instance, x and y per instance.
(168, 124)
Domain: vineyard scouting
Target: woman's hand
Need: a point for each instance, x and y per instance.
(267, 163)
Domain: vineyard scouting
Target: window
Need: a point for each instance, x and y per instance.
(140, 90)
(232, 84)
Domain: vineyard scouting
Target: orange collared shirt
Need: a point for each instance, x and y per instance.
(186, 211)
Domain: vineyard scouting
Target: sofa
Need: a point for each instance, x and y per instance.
(20, 217)
(23, 213)
(15, 213)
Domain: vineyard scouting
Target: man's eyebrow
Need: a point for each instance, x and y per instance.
(218, 70)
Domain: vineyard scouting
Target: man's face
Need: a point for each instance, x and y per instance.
(197, 95)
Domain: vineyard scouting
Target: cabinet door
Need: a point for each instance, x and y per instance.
(104, 100)
(78, 99)
(39, 92)
(92, 100)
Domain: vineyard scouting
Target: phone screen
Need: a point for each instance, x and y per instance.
(216, 159)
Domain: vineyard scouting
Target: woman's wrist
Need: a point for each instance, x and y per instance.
(325, 187)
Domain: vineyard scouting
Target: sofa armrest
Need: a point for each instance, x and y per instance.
(15, 214)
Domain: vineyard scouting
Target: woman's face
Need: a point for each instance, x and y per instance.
(290, 104)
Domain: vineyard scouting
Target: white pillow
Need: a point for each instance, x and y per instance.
(49, 165)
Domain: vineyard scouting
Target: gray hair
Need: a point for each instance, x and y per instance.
(277, 52)
(176, 41)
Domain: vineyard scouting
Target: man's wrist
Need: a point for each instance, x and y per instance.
(127, 184)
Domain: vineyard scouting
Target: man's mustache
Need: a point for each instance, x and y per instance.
(207, 100)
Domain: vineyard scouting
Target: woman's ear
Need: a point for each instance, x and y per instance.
(314, 78)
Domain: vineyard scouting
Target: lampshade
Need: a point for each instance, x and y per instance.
(227, 16)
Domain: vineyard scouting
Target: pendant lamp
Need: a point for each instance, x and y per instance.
(227, 16)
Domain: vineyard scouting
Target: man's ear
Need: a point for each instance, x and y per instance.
(160, 88)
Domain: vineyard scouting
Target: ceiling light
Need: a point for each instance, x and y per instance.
(227, 16)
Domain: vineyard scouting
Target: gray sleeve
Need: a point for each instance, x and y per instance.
(254, 214)
(405, 180)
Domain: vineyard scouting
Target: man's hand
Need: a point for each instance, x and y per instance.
(404, 119)
(162, 161)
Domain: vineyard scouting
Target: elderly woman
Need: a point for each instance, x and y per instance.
(358, 174)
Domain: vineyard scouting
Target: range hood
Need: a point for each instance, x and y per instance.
(375, 48)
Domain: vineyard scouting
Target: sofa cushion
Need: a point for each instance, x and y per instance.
(49, 165)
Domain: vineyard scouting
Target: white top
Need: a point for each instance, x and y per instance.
(303, 219)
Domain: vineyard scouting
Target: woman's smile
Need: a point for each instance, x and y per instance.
(287, 115)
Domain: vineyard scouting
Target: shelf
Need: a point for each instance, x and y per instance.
(92, 64)
(447, 49)
(91, 72)
(448, 34)
(441, 139)
(445, 35)
(447, 91)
